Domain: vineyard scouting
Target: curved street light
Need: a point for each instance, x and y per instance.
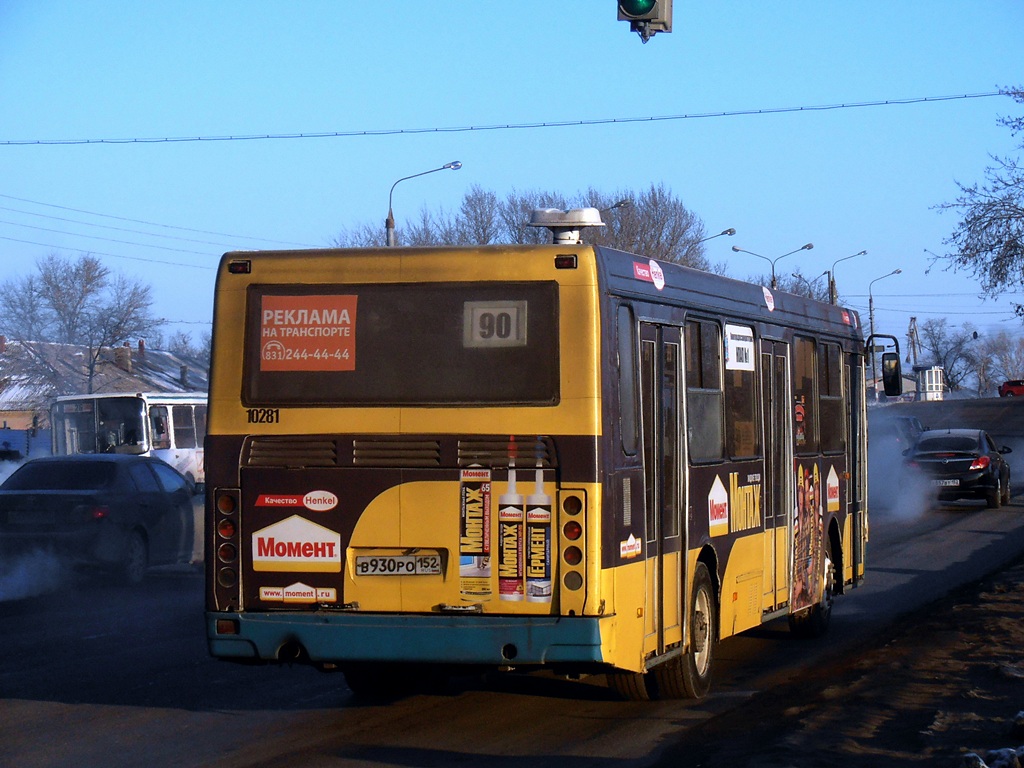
(775, 282)
(833, 294)
(728, 232)
(389, 223)
(624, 203)
(871, 322)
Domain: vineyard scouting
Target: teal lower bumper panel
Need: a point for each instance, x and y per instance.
(334, 637)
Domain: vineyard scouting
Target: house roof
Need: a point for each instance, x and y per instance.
(118, 369)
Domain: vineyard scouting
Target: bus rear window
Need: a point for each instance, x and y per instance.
(402, 344)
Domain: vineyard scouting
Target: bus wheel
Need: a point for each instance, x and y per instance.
(696, 664)
(815, 622)
(631, 686)
(689, 675)
(133, 564)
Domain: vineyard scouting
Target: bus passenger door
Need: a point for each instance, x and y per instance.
(660, 358)
(856, 457)
(778, 470)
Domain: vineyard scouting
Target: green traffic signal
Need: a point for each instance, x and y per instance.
(637, 7)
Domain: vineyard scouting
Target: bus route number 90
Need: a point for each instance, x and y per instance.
(494, 324)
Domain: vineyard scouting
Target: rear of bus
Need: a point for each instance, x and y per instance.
(402, 458)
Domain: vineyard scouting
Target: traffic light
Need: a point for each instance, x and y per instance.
(647, 17)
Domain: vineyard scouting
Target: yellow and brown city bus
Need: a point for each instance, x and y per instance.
(560, 456)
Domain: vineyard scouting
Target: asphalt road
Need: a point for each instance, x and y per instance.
(94, 674)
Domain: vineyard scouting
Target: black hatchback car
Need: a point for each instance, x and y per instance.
(116, 512)
(963, 463)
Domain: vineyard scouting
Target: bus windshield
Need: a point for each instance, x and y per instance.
(109, 424)
(403, 344)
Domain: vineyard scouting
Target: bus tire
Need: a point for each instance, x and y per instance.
(688, 675)
(697, 663)
(632, 686)
(815, 622)
(133, 564)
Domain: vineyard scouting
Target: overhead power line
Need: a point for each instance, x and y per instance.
(502, 126)
(105, 239)
(112, 255)
(151, 223)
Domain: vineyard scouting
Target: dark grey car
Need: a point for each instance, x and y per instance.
(963, 463)
(115, 512)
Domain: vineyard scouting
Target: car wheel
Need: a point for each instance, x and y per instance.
(135, 560)
(1008, 394)
(994, 499)
(1006, 491)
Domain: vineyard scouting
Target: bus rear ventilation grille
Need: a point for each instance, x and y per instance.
(527, 452)
(396, 453)
(269, 452)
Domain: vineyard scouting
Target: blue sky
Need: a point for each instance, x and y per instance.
(866, 177)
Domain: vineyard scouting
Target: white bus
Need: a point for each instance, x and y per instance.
(170, 426)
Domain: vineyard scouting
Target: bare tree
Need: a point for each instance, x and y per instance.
(479, 217)
(653, 223)
(76, 302)
(365, 236)
(181, 344)
(1002, 358)
(988, 241)
(514, 212)
(956, 350)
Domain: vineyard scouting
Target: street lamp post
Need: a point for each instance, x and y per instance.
(775, 283)
(809, 283)
(389, 223)
(727, 232)
(871, 325)
(833, 295)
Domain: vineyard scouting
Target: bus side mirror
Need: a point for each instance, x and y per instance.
(892, 376)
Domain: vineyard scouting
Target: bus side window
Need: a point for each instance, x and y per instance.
(704, 390)
(805, 403)
(743, 438)
(830, 398)
(627, 380)
(158, 426)
(184, 427)
(200, 424)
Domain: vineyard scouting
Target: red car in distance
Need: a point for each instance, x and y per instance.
(1012, 388)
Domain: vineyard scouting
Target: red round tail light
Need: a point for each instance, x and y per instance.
(226, 528)
(573, 555)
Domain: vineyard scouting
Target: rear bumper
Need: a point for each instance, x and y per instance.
(970, 487)
(435, 639)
